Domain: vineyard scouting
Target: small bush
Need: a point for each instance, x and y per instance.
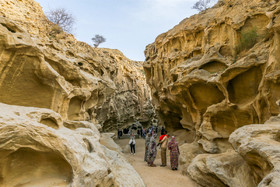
(98, 39)
(248, 40)
(55, 30)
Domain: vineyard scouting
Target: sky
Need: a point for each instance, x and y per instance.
(127, 25)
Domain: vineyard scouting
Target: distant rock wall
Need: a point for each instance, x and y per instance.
(42, 69)
(207, 79)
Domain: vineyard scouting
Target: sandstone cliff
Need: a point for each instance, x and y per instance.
(212, 74)
(56, 93)
(41, 67)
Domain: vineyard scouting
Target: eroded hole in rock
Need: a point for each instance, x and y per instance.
(223, 144)
(8, 27)
(171, 120)
(214, 66)
(225, 51)
(259, 165)
(244, 87)
(223, 122)
(101, 72)
(268, 181)
(89, 145)
(50, 122)
(75, 107)
(27, 167)
(174, 77)
(205, 95)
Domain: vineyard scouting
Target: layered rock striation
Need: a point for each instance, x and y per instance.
(56, 94)
(213, 73)
(45, 67)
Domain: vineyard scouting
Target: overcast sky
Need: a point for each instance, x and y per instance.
(127, 25)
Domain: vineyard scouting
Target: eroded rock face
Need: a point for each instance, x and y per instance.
(55, 95)
(42, 69)
(39, 148)
(259, 146)
(225, 169)
(205, 80)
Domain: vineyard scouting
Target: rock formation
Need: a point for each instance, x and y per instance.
(39, 148)
(213, 73)
(43, 67)
(55, 94)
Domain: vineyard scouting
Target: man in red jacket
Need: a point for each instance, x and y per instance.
(163, 141)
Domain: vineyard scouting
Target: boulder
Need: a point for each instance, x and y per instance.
(38, 150)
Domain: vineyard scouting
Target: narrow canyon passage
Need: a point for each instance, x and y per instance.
(153, 176)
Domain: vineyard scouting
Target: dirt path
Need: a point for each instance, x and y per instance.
(157, 176)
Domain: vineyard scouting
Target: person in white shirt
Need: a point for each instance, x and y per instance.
(132, 144)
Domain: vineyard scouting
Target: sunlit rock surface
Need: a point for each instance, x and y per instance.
(205, 80)
(55, 95)
(55, 71)
(39, 148)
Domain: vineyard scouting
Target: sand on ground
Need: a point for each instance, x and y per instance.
(154, 176)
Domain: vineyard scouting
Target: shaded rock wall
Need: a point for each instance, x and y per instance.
(42, 69)
(203, 79)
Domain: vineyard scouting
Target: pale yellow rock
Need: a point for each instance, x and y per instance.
(259, 146)
(38, 150)
(106, 139)
(55, 89)
(204, 79)
(58, 72)
(188, 152)
(220, 170)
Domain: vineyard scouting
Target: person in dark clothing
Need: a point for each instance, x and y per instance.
(119, 134)
(162, 130)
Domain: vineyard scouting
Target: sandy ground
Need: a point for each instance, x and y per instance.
(154, 176)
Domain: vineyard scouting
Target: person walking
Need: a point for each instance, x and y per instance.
(132, 144)
(174, 153)
(147, 143)
(119, 133)
(152, 151)
(163, 141)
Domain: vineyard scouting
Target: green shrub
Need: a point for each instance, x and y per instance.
(248, 39)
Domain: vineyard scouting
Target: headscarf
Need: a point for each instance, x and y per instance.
(172, 143)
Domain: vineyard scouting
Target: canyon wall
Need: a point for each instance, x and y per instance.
(44, 67)
(216, 72)
(56, 94)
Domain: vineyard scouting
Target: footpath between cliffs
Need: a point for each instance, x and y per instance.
(153, 176)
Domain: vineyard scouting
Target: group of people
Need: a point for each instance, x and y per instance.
(151, 149)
